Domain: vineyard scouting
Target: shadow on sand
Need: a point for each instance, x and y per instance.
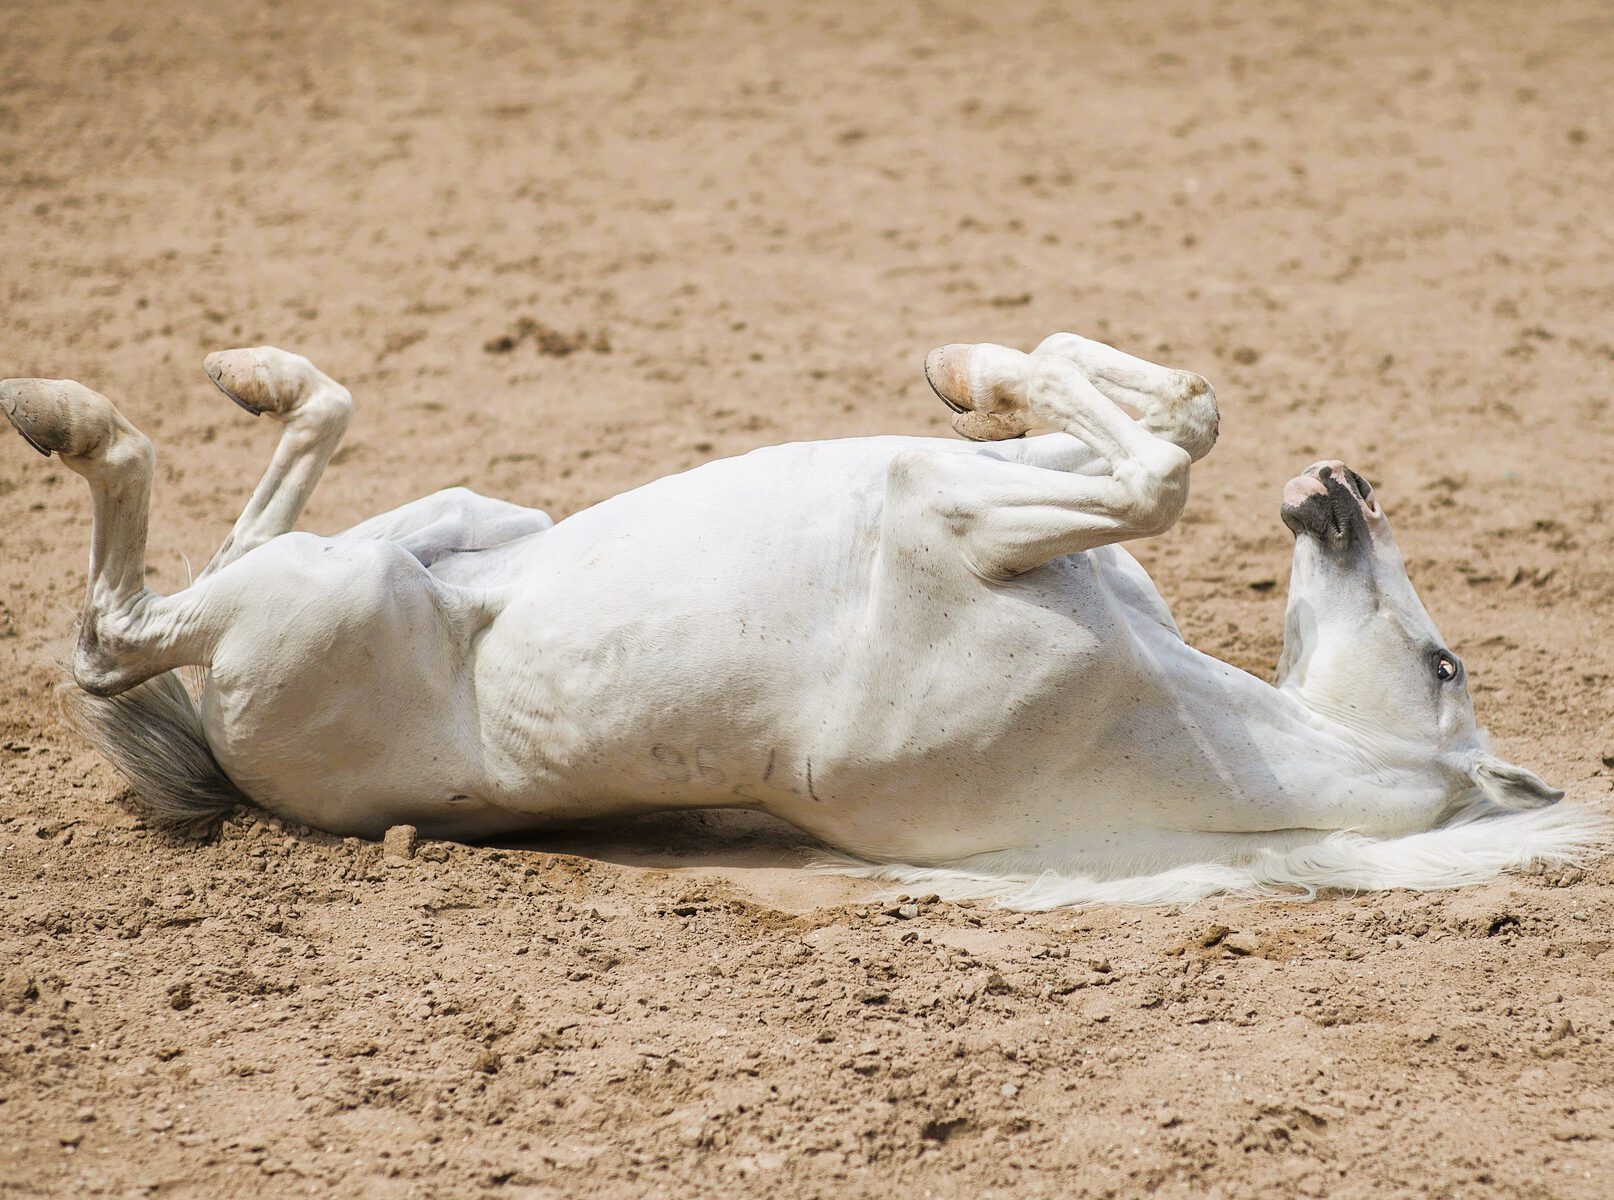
(756, 855)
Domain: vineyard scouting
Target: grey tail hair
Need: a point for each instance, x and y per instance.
(152, 734)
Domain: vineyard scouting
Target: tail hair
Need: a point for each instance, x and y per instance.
(152, 735)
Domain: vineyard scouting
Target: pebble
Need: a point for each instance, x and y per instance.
(180, 997)
(400, 842)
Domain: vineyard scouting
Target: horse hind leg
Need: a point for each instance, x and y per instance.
(127, 633)
(313, 411)
(132, 708)
(59, 416)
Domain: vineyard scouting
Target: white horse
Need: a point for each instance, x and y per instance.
(935, 656)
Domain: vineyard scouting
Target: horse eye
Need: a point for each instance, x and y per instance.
(1445, 668)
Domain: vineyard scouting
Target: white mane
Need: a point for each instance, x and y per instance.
(1475, 848)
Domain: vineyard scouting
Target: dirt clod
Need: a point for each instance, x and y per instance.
(548, 340)
(17, 990)
(400, 842)
(1241, 943)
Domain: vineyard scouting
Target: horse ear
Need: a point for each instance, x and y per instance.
(1511, 787)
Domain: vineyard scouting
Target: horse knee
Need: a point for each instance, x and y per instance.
(1187, 415)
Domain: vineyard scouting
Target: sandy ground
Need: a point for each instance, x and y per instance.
(1383, 232)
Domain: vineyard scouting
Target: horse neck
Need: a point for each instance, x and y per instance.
(1255, 744)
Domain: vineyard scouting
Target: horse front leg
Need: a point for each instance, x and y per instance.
(1179, 406)
(1011, 517)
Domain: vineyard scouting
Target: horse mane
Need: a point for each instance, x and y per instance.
(1477, 845)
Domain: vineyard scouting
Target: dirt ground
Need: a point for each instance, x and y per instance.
(1383, 231)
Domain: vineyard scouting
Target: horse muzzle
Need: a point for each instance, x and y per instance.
(1330, 502)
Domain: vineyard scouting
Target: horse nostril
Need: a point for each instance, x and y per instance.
(1364, 489)
(1325, 473)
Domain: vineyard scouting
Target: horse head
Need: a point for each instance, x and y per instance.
(1360, 648)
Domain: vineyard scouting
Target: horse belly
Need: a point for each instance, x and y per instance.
(982, 716)
(629, 707)
(908, 717)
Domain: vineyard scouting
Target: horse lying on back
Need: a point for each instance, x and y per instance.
(935, 656)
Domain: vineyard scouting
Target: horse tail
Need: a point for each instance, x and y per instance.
(152, 735)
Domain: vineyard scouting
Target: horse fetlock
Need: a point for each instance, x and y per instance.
(1156, 487)
(268, 380)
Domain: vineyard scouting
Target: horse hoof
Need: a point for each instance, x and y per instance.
(58, 415)
(947, 372)
(988, 427)
(981, 412)
(264, 379)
